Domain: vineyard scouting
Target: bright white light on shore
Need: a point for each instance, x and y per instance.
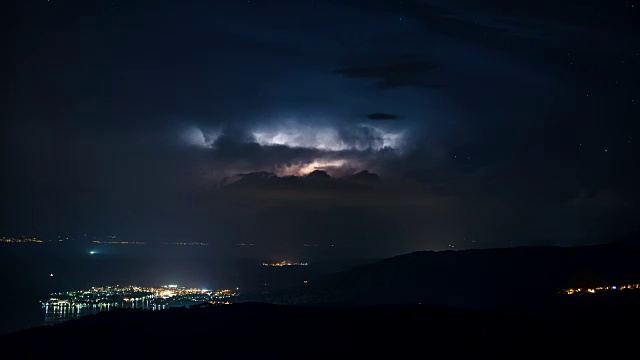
(92, 252)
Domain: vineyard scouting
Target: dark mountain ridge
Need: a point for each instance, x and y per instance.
(317, 179)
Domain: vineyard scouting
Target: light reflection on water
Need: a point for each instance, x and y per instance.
(57, 314)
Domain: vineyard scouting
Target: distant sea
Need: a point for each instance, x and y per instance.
(27, 268)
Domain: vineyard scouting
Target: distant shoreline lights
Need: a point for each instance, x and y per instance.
(24, 239)
(285, 263)
(593, 290)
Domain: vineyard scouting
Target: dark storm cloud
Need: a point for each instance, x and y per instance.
(393, 74)
(382, 116)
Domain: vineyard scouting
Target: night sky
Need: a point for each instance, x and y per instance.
(489, 123)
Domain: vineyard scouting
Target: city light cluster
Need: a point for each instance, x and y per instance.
(23, 239)
(188, 244)
(138, 297)
(118, 242)
(285, 263)
(594, 290)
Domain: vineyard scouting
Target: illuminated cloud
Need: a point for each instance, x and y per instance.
(296, 135)
(359, 137)
(334, 167)
(294, 148)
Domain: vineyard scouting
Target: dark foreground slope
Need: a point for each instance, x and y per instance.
(488, 278)
(253, 330)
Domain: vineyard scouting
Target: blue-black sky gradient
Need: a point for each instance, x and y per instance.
(490, 123)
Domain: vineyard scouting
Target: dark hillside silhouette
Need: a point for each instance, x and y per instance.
(254, 330)
(488, 278)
